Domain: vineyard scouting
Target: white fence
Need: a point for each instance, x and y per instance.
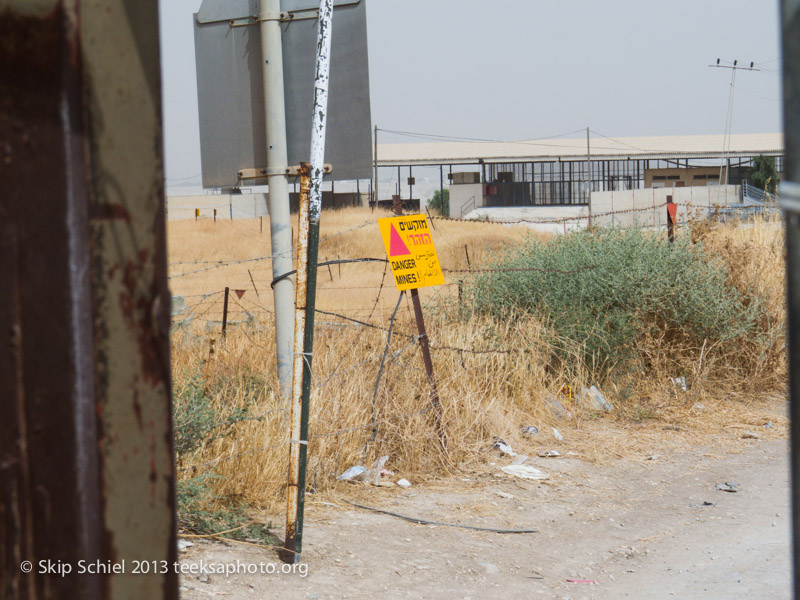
(228, 206)
(645, 207)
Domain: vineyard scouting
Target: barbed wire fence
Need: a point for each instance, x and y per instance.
(246, 314)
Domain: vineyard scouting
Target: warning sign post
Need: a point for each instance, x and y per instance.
(414, 263)
(412, 256)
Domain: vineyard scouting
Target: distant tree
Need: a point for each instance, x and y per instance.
(436, 203)
(763, 173)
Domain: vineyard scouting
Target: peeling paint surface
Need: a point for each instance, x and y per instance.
(130, 296)
(85, 444)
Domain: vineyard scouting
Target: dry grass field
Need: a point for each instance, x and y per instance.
(494, 392)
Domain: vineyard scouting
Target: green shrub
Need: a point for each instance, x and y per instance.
(195, 422)
(599, 291)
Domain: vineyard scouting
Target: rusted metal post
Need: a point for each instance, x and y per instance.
(426, 358)
(225, 311)
(298, 438)
(215, 215)
(672, 211)
(397, 204)
(253, 282)
(430, 218)
(466, 253)
(307, 254)
(86, 458)
(261, 227)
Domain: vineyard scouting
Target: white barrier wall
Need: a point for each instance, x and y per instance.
(237, 206)
(645, 208)
(564, 218)
(464, 197)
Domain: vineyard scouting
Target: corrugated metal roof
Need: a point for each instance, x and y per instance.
(674, 146)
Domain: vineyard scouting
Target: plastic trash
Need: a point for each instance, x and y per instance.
(750, 435)
(184, 544)
(355, 473)
(530, 430)
(595, 399)
(506, 449)
(680, 382)
(505, 495)
(503, 447)
(520, 459)
(557, 408)
(525, 472)
(549, 453)
(373, 474)
(769, 425)
(728, 487)
(404, 483)
(557, 435)
(704, 504)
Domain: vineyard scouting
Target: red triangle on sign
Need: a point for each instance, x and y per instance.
(240, 293)
(397, 247)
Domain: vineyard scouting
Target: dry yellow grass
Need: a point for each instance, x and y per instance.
(482, 395)
(198, 247)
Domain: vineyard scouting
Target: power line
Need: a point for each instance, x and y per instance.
(434, 136)
(726, 139)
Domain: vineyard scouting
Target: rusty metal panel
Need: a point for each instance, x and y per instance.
(131, 301)
(85, 441)
(50, 494)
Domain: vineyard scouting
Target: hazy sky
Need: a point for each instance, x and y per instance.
(520, 69)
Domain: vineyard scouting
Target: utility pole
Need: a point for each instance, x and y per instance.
(726, 139)
(375, 186)
(277, 164)
(589, 177)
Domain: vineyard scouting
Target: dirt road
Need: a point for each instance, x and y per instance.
(638, 528)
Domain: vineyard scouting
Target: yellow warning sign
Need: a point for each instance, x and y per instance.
(412, 256)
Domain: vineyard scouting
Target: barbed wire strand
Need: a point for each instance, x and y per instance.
(380, 369)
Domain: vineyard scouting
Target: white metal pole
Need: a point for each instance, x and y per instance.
(307, 252)
(589, 177)
(277, 163)
(375, 158)
(320, 116)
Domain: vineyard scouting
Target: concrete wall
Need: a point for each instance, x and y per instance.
(554, 219)
(463, 196)
(248, 206)
(646, 209)
(240, 206)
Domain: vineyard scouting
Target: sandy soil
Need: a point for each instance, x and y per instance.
(636, 528)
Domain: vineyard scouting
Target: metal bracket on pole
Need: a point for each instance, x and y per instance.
(294, 171)
(285, 17)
